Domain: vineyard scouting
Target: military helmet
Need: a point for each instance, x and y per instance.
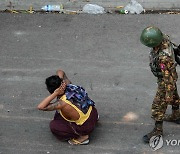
(151, 36)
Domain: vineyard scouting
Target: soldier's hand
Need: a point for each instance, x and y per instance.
(169, 99)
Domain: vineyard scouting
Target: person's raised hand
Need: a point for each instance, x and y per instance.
(61, 89)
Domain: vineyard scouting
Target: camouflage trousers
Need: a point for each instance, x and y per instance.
(160, 104)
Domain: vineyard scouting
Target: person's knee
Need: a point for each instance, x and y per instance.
(53, 126)
(57, 129)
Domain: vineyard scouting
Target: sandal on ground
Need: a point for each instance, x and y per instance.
(76, 142)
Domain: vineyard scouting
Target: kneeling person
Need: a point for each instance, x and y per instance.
(76, 115)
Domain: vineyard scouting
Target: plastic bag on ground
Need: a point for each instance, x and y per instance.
(134, 7)
(93, 9)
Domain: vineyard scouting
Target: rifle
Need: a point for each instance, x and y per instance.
(176, 49)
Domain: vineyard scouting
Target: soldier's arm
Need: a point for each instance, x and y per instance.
(166, 65)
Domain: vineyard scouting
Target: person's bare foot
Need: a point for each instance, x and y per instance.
(82, 138)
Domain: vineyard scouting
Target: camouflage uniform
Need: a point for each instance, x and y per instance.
(163, 66)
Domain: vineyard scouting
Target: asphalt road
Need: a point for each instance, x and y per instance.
(103, 54)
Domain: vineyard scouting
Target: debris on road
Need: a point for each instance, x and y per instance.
(122, 11)
(162, 11)
(93, 9)
(79, 11)
(134, 7)
(52, 8)
(19, 11)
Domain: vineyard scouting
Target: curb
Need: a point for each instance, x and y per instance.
(78, 4)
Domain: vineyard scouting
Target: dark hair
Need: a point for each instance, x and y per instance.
(53, 82)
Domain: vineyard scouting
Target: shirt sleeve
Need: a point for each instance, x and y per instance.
(167, 67)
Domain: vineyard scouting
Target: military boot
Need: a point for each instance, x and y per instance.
(158, 130)
(174, 117)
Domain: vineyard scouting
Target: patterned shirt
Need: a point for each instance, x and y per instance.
(79, 97)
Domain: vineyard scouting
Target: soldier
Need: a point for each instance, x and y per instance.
(163, 66)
